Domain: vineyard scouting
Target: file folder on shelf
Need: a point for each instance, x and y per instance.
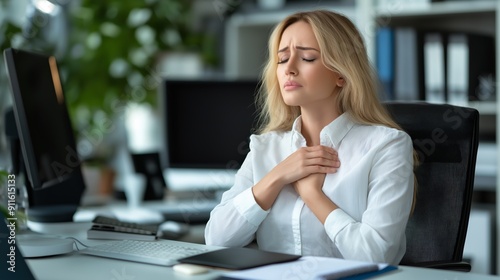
(434, 68)
(457, 75)
(471, 68)
(385, 60)
(406, 80)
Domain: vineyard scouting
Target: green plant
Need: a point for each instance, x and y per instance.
(110, 54)
(114, 47)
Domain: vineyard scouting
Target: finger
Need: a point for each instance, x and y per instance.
(322, 154)
(322, 162)
(321, 147)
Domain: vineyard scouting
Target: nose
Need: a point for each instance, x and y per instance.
(291, 67)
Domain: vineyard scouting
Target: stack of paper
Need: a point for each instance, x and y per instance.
(309, 268)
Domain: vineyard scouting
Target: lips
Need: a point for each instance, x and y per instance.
(291, 85)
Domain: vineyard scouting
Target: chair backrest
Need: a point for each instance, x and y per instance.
(446, 140)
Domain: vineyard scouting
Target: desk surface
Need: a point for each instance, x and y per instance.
(79, 266)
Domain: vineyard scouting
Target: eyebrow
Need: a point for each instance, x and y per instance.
(300, 48)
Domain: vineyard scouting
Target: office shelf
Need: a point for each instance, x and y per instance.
(449, 15)
(445, 8)
(247, 36)
(465, 16)
(484, 107)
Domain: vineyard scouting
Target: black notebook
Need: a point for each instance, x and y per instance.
(238, 258)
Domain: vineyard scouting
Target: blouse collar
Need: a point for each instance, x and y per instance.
(330, 135)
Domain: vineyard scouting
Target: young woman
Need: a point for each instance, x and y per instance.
(331, 174)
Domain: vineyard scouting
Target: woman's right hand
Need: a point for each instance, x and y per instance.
(301, 163)
(306, 161)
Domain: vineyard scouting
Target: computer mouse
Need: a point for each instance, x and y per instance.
(172, 230)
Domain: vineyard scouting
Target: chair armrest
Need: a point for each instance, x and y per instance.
(455, 266)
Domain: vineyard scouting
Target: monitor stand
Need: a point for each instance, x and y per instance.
(51, 213)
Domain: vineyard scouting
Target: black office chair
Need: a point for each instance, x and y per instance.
(446, 139)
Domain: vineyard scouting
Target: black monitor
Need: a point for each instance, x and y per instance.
(49, 155)
(206, 129)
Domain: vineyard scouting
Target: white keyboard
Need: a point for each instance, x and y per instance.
(161, 252)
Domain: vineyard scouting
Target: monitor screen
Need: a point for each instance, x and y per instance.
(44, 128)
(207, 124)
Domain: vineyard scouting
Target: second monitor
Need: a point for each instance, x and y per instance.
(206, 129)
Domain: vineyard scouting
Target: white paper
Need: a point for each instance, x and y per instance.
(307, 268)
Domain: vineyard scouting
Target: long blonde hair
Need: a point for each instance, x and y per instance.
(342, 51)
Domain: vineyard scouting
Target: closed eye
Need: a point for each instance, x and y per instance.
(304, 59)
(283, 61)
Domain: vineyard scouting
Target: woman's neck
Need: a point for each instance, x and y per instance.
(313, 121)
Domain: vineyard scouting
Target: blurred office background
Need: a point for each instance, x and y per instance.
(114, 54)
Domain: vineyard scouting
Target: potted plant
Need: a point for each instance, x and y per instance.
(109, 52)
(114, 49)
(109, 59)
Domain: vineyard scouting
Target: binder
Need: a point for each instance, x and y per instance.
(458, 69)
(434, 68)
(472, 67)
(406, 72)
(385, 61)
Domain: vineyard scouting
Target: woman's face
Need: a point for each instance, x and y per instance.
(304, 80)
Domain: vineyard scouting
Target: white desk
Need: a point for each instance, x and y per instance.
(79, 266)
(76, 266)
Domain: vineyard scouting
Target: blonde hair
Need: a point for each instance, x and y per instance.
(343, 51)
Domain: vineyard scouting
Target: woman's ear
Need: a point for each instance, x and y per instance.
(340, 81)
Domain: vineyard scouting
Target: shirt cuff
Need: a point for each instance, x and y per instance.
(247, 206)
(335, 222)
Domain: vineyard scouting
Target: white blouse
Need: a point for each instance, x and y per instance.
(373, 189)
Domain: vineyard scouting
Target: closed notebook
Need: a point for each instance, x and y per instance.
(238, 258)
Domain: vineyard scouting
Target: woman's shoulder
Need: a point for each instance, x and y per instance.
(267, 137)
(383, 132)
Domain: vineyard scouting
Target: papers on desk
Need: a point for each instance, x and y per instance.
(310, 268)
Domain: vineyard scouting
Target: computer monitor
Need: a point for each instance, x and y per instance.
(206, 129)
(51, 163)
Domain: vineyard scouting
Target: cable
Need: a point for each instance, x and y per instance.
(76, 243)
